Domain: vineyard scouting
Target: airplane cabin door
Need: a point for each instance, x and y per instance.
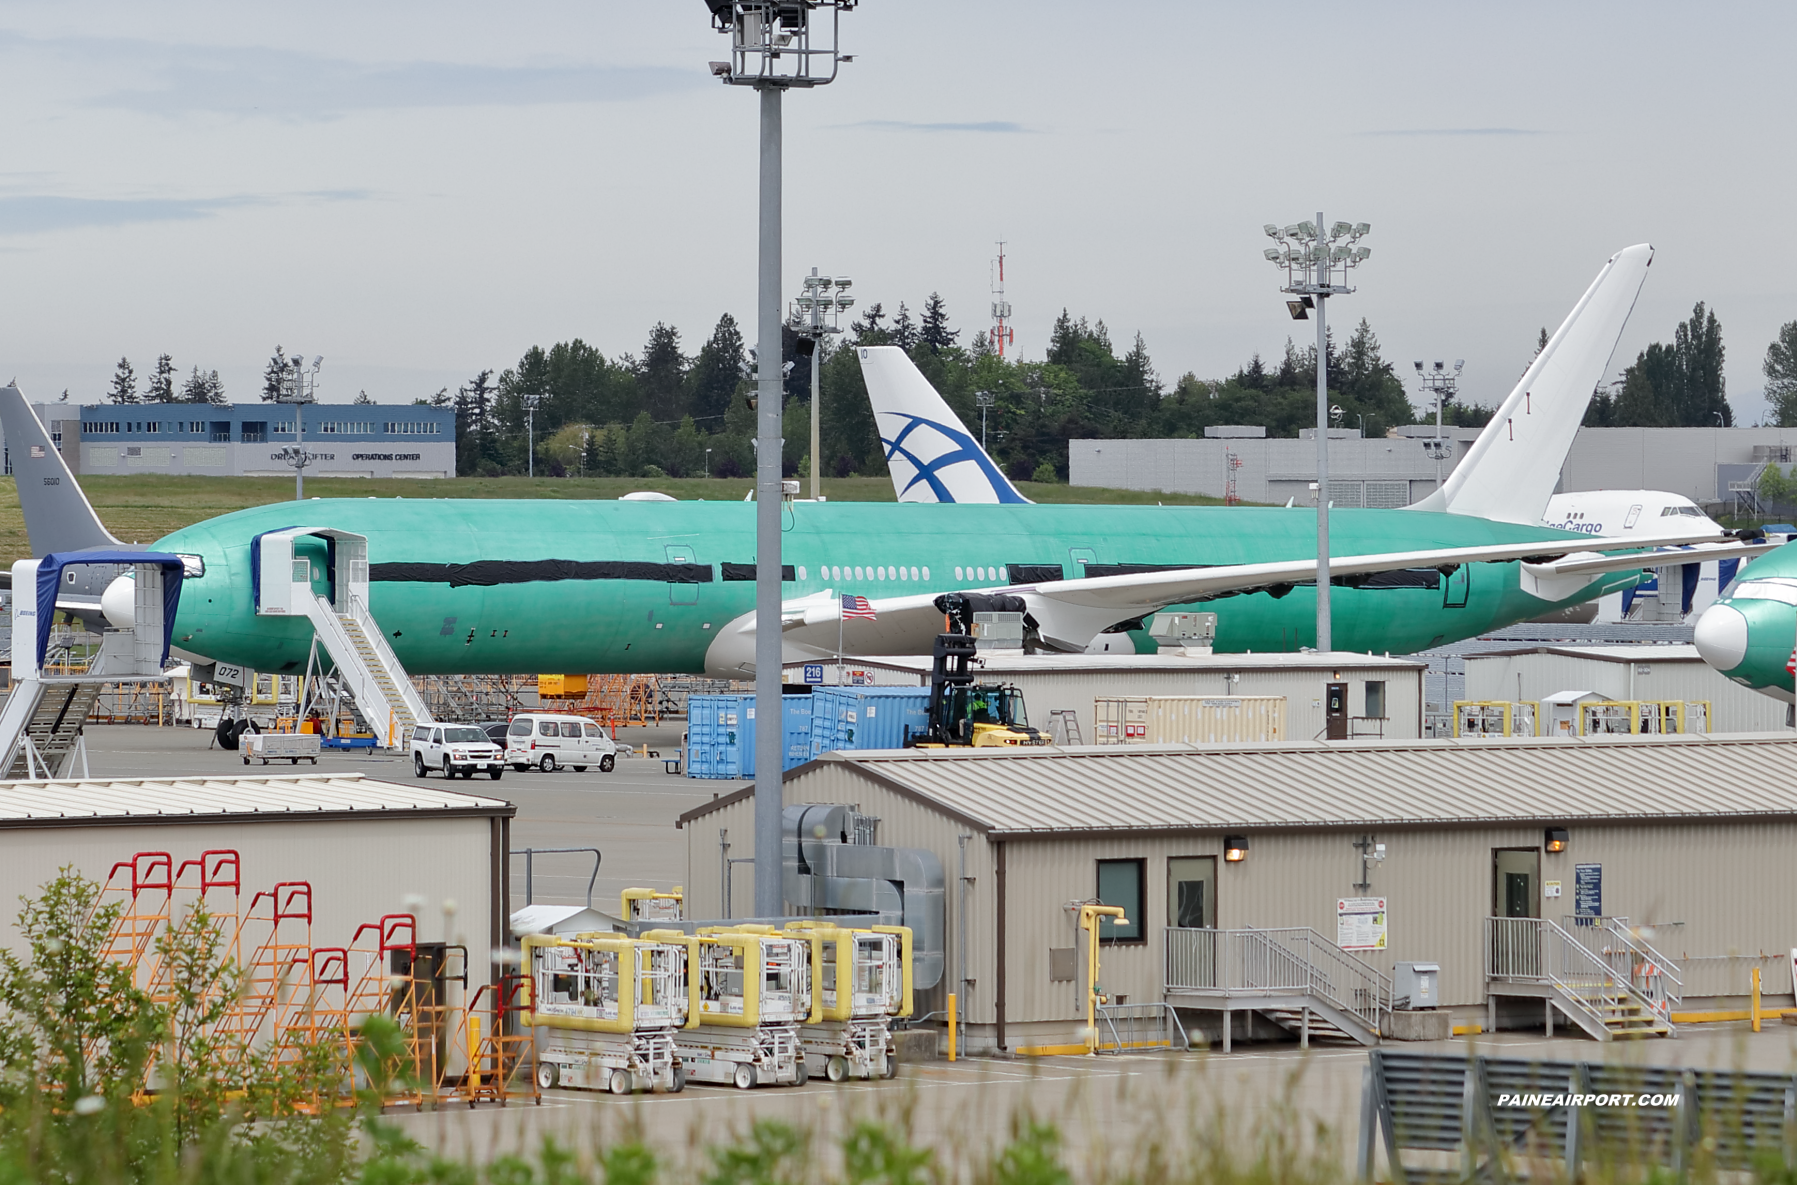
(1457, 587)
(682, 592)
(1081, 556)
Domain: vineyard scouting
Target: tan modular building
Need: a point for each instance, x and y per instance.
(367, 848)
(1382, 696)
(1624, 673)
(1359, 856)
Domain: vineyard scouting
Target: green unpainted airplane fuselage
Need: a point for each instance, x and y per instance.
(1749, 632)
(459, 586)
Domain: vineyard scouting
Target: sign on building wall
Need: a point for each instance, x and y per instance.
(1588, 890)
(1360, 923)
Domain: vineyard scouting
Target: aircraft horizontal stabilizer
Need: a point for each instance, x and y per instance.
(1564, 577)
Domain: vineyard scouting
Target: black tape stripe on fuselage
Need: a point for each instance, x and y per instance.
(491, 572)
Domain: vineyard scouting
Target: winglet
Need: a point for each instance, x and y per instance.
(1513, 467)
(930, 454)
(58, 516)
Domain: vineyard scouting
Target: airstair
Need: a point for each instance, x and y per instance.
(1293, 976)
(287, 586)
(41, 724)
(1597, 972)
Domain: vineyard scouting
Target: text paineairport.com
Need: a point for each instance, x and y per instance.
(1589, 1100)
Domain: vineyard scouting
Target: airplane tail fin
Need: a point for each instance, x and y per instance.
(58, 516)
(1513, 467)
(929, 452)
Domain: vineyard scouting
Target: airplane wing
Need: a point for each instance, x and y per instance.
(1070, 613)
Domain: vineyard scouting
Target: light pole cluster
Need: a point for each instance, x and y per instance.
(1441, 385)
(775, 45)
(817, 313)
(1317, 258)
(299, 386)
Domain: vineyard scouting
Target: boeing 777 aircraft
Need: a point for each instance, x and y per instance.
(1750, 633)
(483, 586)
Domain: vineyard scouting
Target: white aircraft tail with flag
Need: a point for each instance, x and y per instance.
(930, 454)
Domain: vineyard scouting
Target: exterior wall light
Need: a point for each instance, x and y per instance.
(1235, 849)
(1556, 839)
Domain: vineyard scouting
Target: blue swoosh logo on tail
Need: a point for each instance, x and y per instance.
(966, 449)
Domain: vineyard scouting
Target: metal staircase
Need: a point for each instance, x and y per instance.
(1294, 977)
(1597, 973)
(365, 664)
(41, 723)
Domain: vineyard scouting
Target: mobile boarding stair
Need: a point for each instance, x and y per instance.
(1295, 977)
(41, 724)
(285, 587)
(1597, 972)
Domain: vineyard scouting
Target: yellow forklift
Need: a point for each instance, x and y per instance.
(963, 712)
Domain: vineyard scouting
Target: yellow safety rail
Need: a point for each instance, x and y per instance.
(629, 975)
(1497, 717)
(904, 937)
(626, 910)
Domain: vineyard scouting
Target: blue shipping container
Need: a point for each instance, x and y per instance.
(867, 717)
(720, 734)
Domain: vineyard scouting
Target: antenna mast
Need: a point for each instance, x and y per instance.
(1002, 334)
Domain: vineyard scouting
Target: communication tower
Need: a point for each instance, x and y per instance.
(1002, 333)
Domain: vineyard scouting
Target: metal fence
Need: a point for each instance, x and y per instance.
(1139, 1026)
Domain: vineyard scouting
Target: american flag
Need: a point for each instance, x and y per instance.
(857, 607)
(1790, 664)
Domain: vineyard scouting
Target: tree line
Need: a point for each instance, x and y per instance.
(201, 386)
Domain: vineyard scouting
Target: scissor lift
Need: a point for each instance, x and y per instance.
(753, 985)
(860, 981)
(606, 1007)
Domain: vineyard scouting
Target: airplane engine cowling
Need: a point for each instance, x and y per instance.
(119, 602)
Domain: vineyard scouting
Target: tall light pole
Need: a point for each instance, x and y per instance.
(298, 388)
(774, 45)
(985, 399)
(816, 314)
(1442, 385)
(1316, 262)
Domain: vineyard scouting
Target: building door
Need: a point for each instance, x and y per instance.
(1335, 711)
(1516, 883)
(1192, 891)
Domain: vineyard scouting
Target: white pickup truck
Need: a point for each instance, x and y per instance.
(455, 749)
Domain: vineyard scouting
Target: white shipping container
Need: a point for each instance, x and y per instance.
(1189, 719)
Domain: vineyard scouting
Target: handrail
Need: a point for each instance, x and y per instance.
(1658, 979)
(1539, 950)
(1266, 962)
(1167, 1026)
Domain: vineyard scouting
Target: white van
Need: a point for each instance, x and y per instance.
(548, 741)
(455, 749)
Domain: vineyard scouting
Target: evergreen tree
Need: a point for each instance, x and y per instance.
(869, 328)
(124, 383)
(1703, 391)
(661, 375)
(903, 333)
(441, 399)
(272, 375)
(362, 399)
(162, 384)
(712, 381)
(201, 387)
(934, 331)
(1780, 369)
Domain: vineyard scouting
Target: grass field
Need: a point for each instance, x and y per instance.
(143, 508)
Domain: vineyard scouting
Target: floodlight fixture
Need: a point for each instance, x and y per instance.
(1273, 232)
(1341, 230)
(1362, 228)
(778, 44)
(1272, 253)
(1458, 363)
(1419, 365)
(844, 302)
(1296, 309)
(844, 283)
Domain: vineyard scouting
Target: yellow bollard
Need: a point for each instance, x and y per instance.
(1756, 999)
(474, 1053)
(951, 1026)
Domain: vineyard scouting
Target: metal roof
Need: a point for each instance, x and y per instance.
(1621, 654)
(271, 798)
(1340, 784)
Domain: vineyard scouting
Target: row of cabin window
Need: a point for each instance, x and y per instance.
(995, 573)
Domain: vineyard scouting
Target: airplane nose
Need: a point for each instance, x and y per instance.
(119, 603)
(1721, 637)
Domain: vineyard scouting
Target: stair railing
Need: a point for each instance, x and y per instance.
(1290, 960)
(1540, 951)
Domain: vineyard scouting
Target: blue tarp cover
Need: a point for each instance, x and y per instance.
(49, 579)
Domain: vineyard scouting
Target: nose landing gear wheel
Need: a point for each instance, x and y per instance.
(745, 1076)
(607, 762)
(836, 1069)
(547, 765)
(549, 1075)
(620, 1082)
(417, 763)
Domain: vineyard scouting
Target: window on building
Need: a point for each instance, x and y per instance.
(1120, 883)
(221, 431)
(153, 427)
(282, 427)
(1192, 891)
(255, 432)
(1375, 699)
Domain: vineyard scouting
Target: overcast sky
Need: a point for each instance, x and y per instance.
(420, 191)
